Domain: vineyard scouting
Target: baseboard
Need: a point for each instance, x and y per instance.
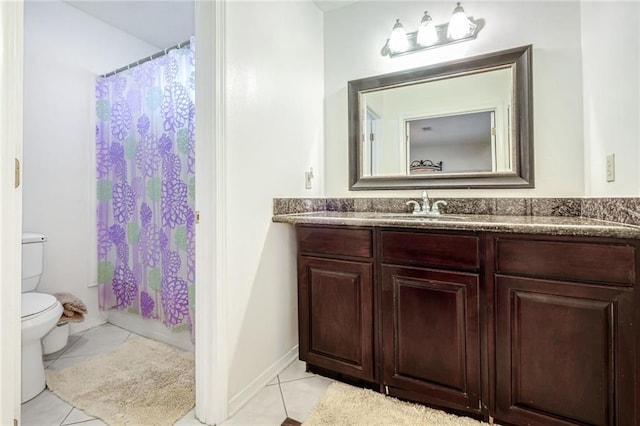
(241, 398)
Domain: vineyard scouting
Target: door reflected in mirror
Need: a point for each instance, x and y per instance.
(446, 126)
(463, 143)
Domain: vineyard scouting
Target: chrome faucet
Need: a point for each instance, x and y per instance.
(426, 208)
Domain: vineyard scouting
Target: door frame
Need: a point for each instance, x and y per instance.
(11, 77)
(212, 374)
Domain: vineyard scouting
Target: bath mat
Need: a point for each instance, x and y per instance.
(143, 382)
(347, 405)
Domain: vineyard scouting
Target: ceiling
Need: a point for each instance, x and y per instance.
(325, 5)
(462, 129)
(160, 23)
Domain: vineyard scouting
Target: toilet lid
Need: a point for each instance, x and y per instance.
(34, 303)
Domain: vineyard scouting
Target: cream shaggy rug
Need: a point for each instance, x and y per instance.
(347, 405)
(143, 382)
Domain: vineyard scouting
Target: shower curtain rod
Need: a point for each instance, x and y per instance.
(147, 59)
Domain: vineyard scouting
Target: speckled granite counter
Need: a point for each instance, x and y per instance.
(547, 225)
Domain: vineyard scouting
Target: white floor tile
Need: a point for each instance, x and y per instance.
(95, 422)
(97, 340)
(188, 420)
(264, 409)
(72, 339)
(44, 410)
(273, 382)
(295, 371)
(61, 363)
(106, 330)
(53, 356)
(300, 396)
(77, 416)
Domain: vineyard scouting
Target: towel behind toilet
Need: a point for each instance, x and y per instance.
(74, 308)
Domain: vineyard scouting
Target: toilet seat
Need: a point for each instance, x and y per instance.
(37, 303)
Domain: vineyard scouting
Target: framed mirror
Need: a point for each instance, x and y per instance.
(461, 124)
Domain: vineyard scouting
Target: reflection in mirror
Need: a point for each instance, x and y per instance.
(462, 122)
(462, 142)
(459, 124)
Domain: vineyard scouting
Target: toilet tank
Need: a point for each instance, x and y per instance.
(32, 260)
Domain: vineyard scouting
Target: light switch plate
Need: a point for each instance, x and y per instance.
(611, 168)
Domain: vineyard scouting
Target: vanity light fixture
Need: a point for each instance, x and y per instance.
(398, 41)
(459, 25)
(459, 28)
(427, 33)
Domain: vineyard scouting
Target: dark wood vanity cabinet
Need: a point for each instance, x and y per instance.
(430, 318)
(564, 345)
(529, 329)
(335, 300)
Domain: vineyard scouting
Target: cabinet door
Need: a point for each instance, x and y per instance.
(335, 303)
(564, 353)
(430, 333)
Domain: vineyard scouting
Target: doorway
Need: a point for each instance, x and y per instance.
(211, 374)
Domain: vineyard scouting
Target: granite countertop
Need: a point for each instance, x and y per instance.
(547, 225)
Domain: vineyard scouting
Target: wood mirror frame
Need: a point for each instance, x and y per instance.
(521, 132)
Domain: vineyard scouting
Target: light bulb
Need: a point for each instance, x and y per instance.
(427, 33)
(398, 41)
(459, 24)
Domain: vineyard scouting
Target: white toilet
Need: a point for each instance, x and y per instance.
(40, 313)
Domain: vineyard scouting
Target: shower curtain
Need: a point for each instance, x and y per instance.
(145, 188)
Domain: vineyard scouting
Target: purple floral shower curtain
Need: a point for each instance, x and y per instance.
(145, 169)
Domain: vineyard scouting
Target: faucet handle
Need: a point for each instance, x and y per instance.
(416, 206)
(435, 208)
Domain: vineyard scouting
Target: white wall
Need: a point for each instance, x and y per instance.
(274, 133)
(611, 74)
(64, 48)
(355, 34)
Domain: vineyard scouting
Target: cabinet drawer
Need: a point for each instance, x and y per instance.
(457, 251)
(346, 242)
(606, 263)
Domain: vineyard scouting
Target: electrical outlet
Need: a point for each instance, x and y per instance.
(611, 168)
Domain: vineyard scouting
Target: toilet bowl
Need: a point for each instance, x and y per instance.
(40, 313)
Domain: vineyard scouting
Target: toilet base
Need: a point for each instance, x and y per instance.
(56, 339)
(33, 377)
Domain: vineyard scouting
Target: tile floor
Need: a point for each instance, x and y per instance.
(293, 393)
